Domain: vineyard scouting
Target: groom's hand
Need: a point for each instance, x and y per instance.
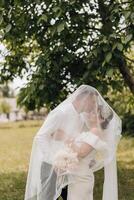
(69, 141)
(58, 171)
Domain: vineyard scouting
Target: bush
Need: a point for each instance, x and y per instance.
(128, 124)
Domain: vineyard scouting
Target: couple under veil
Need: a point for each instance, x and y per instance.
(79, 137)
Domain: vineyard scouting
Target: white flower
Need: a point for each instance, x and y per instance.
(65, 159)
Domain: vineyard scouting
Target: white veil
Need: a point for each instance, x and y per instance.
(76, 115)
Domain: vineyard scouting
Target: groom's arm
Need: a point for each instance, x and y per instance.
(51, 125)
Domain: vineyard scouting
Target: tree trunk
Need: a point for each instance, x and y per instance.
(128, 77)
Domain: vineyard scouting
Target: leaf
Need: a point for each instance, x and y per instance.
(116, 10)
(108, 57)
(43, 17)
(128, 38)
(65, 59)
(60, 27)
(58, 11)
(132, 17)
(8, 28)
(53, 30)
(127, 14)
(103, 64)
(55, 9)
(110, 72)
(104, 39)
(2, 2)
(120, 46)
(72, 2)
(41, 87)
(89, 66)
(1, 19)
(105, 48)
(95, 52)
(114, 46)
(38, 1)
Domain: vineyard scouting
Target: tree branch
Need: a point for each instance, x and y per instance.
(125, 2)
(93, 28)
(129, 59)
(122, 29)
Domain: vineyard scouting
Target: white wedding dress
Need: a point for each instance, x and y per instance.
(82, 189)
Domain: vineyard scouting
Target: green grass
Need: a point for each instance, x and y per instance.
(15, 148)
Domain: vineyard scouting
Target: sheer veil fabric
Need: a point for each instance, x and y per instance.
(83, 114)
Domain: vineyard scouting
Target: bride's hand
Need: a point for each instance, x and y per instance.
(72, 145)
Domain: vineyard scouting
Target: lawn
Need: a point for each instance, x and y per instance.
(15, 147)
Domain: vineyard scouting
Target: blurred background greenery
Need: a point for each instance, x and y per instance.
(59, 45)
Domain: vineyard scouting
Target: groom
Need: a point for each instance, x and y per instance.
(45, 171)
(64, 193)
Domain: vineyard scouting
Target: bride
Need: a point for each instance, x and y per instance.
(80, 136)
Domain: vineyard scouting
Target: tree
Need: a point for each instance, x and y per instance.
(67, 43)
(6, 91)
(5, 108)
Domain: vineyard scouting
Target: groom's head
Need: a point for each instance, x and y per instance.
(85, 101)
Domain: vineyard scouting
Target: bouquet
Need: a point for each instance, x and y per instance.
(65, 159)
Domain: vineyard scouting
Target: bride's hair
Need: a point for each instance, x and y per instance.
(106, 120)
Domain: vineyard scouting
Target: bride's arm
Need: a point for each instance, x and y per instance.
(83, 150)
(88, 141)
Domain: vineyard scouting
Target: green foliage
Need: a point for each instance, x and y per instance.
(6, 91)
(66, 43)
(122, 101)
(5, 107)
(128, 123)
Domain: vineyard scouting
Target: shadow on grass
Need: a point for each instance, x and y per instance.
(12, 185)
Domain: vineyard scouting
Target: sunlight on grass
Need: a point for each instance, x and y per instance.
(15, 148)
(15, 145)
